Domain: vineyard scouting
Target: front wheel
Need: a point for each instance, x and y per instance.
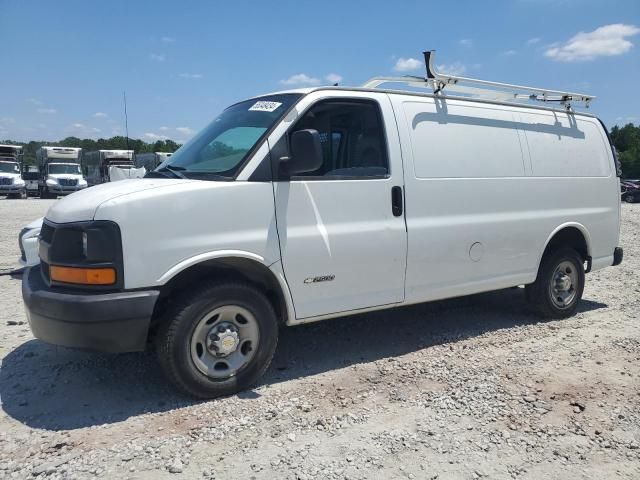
(628, 198)
(218, 339)
(559, 285)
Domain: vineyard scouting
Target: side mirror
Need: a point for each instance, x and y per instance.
(306, 152)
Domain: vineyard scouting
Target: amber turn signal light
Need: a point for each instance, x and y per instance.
(83, 276)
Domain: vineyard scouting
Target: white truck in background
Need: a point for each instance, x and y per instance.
(11, 183)
(60, 172)
(102, 166)
(151, 160)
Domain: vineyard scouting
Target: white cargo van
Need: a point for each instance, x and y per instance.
(317, 203)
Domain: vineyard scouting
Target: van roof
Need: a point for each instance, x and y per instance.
(306, 91)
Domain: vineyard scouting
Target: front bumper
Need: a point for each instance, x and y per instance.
(60, 190)
(107, 322)
(9, 189)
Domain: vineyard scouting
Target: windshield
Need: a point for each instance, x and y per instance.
(221, 148)
(58, 168)
(9, 167)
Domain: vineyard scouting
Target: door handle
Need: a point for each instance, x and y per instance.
(396, 201)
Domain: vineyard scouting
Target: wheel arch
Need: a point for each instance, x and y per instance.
(232, 265)
(571, 234)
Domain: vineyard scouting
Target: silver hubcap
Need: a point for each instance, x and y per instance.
(563, 284)
(224, 341)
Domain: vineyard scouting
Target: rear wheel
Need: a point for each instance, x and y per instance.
(559, 285)
(218, 339)
(628, 198)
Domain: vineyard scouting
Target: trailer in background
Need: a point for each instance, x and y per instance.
(101, 166)
(11, 183)
(150, 161)
(60, 172)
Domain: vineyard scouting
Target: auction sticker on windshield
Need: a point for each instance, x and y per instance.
(263, 106)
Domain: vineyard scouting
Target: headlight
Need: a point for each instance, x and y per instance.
(18, 181)
(87, 253)
(52, 181)
(82, 182)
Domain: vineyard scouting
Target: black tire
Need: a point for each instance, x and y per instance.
(539, 294)
(180, 320)
(629, 198)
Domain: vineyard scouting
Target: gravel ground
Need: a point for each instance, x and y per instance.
(464, 389)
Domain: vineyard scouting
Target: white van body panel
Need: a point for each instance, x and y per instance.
(207, 219)
(477, 217)
(83, 204)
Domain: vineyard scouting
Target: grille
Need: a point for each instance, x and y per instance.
(46, 233)
(6, 181)
(68, 182)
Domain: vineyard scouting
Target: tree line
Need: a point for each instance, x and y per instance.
(626, 140)
(88, 145)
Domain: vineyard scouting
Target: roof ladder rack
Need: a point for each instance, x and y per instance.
(439, 82)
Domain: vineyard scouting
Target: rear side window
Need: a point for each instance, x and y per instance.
(352, 139)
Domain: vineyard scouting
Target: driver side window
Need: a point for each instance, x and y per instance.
(351, 137)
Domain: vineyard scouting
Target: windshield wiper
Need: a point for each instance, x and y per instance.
(175, 170)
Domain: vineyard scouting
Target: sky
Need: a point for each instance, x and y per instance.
(67, 63)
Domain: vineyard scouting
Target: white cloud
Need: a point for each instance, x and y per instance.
(185, 130)
(509, 53)
(78, 125)
(407, 65)
(333, 78)
(300, 80)
(47, 110)
(625, 120)
(605, 41)
(466, 42)
(34, 101)
(100, 115)
(195, 76)
(533, 41)
(455, 68)
(154, 136)
(168, 39)
(158, 57)
(163, 129)
(7, 120)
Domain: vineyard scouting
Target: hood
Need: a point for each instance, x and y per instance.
(81, 206)
(9, 175)
(65, 176)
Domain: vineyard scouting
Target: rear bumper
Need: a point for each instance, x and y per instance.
(617, 256)
(107, 322)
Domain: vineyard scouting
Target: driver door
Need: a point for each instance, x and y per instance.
(343, 240)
